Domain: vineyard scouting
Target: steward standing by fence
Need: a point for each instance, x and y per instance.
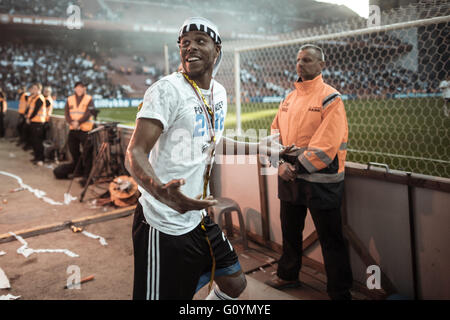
(79, 113)
(3, 108)
(313, 118)
(36, 117)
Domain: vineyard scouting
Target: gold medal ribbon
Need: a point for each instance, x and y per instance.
(210, 120)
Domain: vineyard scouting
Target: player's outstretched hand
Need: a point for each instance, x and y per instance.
(172, 196)
(271, 148)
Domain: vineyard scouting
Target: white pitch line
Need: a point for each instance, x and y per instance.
(38, 193)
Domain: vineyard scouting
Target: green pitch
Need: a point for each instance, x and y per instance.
(406, 134)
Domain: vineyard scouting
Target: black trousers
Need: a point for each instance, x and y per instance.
(334, 247)
(2, 124)
(37, 138)
(76, 140)
(169, 267)
(26, 134)
(19, 127)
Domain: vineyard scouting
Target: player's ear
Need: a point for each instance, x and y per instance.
(218, 47)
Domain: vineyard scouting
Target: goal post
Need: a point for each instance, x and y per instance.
(388, 77)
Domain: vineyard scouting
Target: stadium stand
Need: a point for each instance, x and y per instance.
(49, 8)
(267, 17)
(57, 67)
(127, 73)
(139, 70)
(363, 79)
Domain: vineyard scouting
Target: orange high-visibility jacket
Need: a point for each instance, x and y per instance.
(313, 118)
(3, 105)
(77, 111)
(49, 105)
(23, 103)
(41, 114)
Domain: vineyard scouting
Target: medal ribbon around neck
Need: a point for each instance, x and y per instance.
(205, 105)
(210, 120)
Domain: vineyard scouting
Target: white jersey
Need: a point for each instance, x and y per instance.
(182, 149)
(445, 87)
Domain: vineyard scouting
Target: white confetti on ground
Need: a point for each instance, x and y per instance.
(26, 252)
(68, 198)
(4, 281)
(9, 297)
(93, 236)
(38, 193)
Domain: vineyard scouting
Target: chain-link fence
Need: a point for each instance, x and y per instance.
(389, 77)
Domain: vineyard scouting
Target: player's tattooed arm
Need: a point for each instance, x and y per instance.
(144, 137)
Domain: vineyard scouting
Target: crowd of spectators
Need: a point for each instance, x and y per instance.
(58, 67)
(267, 76)
(251, 17)
(363, 75)
(257, 16)
(47, 8)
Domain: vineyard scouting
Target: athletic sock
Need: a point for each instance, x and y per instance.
(216, 294)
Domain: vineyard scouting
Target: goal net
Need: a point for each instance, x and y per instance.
(388, 73)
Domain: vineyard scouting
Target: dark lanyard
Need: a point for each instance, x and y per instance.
(207, 108)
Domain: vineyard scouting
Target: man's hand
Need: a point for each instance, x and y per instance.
(270, 147)
(286, 171)
(291, 155)
(171, 195)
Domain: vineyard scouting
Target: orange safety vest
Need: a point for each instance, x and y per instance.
(23, 103)
(42, 113)
(77, 111)
(3, 105)
(49, 108)
(313, 118)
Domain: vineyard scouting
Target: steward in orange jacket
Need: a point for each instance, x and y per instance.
(3, 108)
(22, 127)
(313, 118)
(79, 113)
(35, 117)
(47, 92)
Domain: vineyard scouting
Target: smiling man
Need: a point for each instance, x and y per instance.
(177, 247)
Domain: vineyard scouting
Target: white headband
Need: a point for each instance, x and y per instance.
(202, 24)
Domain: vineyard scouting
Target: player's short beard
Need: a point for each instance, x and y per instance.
(206, 69)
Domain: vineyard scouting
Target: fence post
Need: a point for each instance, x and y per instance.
(237, 90)
(166, 59)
